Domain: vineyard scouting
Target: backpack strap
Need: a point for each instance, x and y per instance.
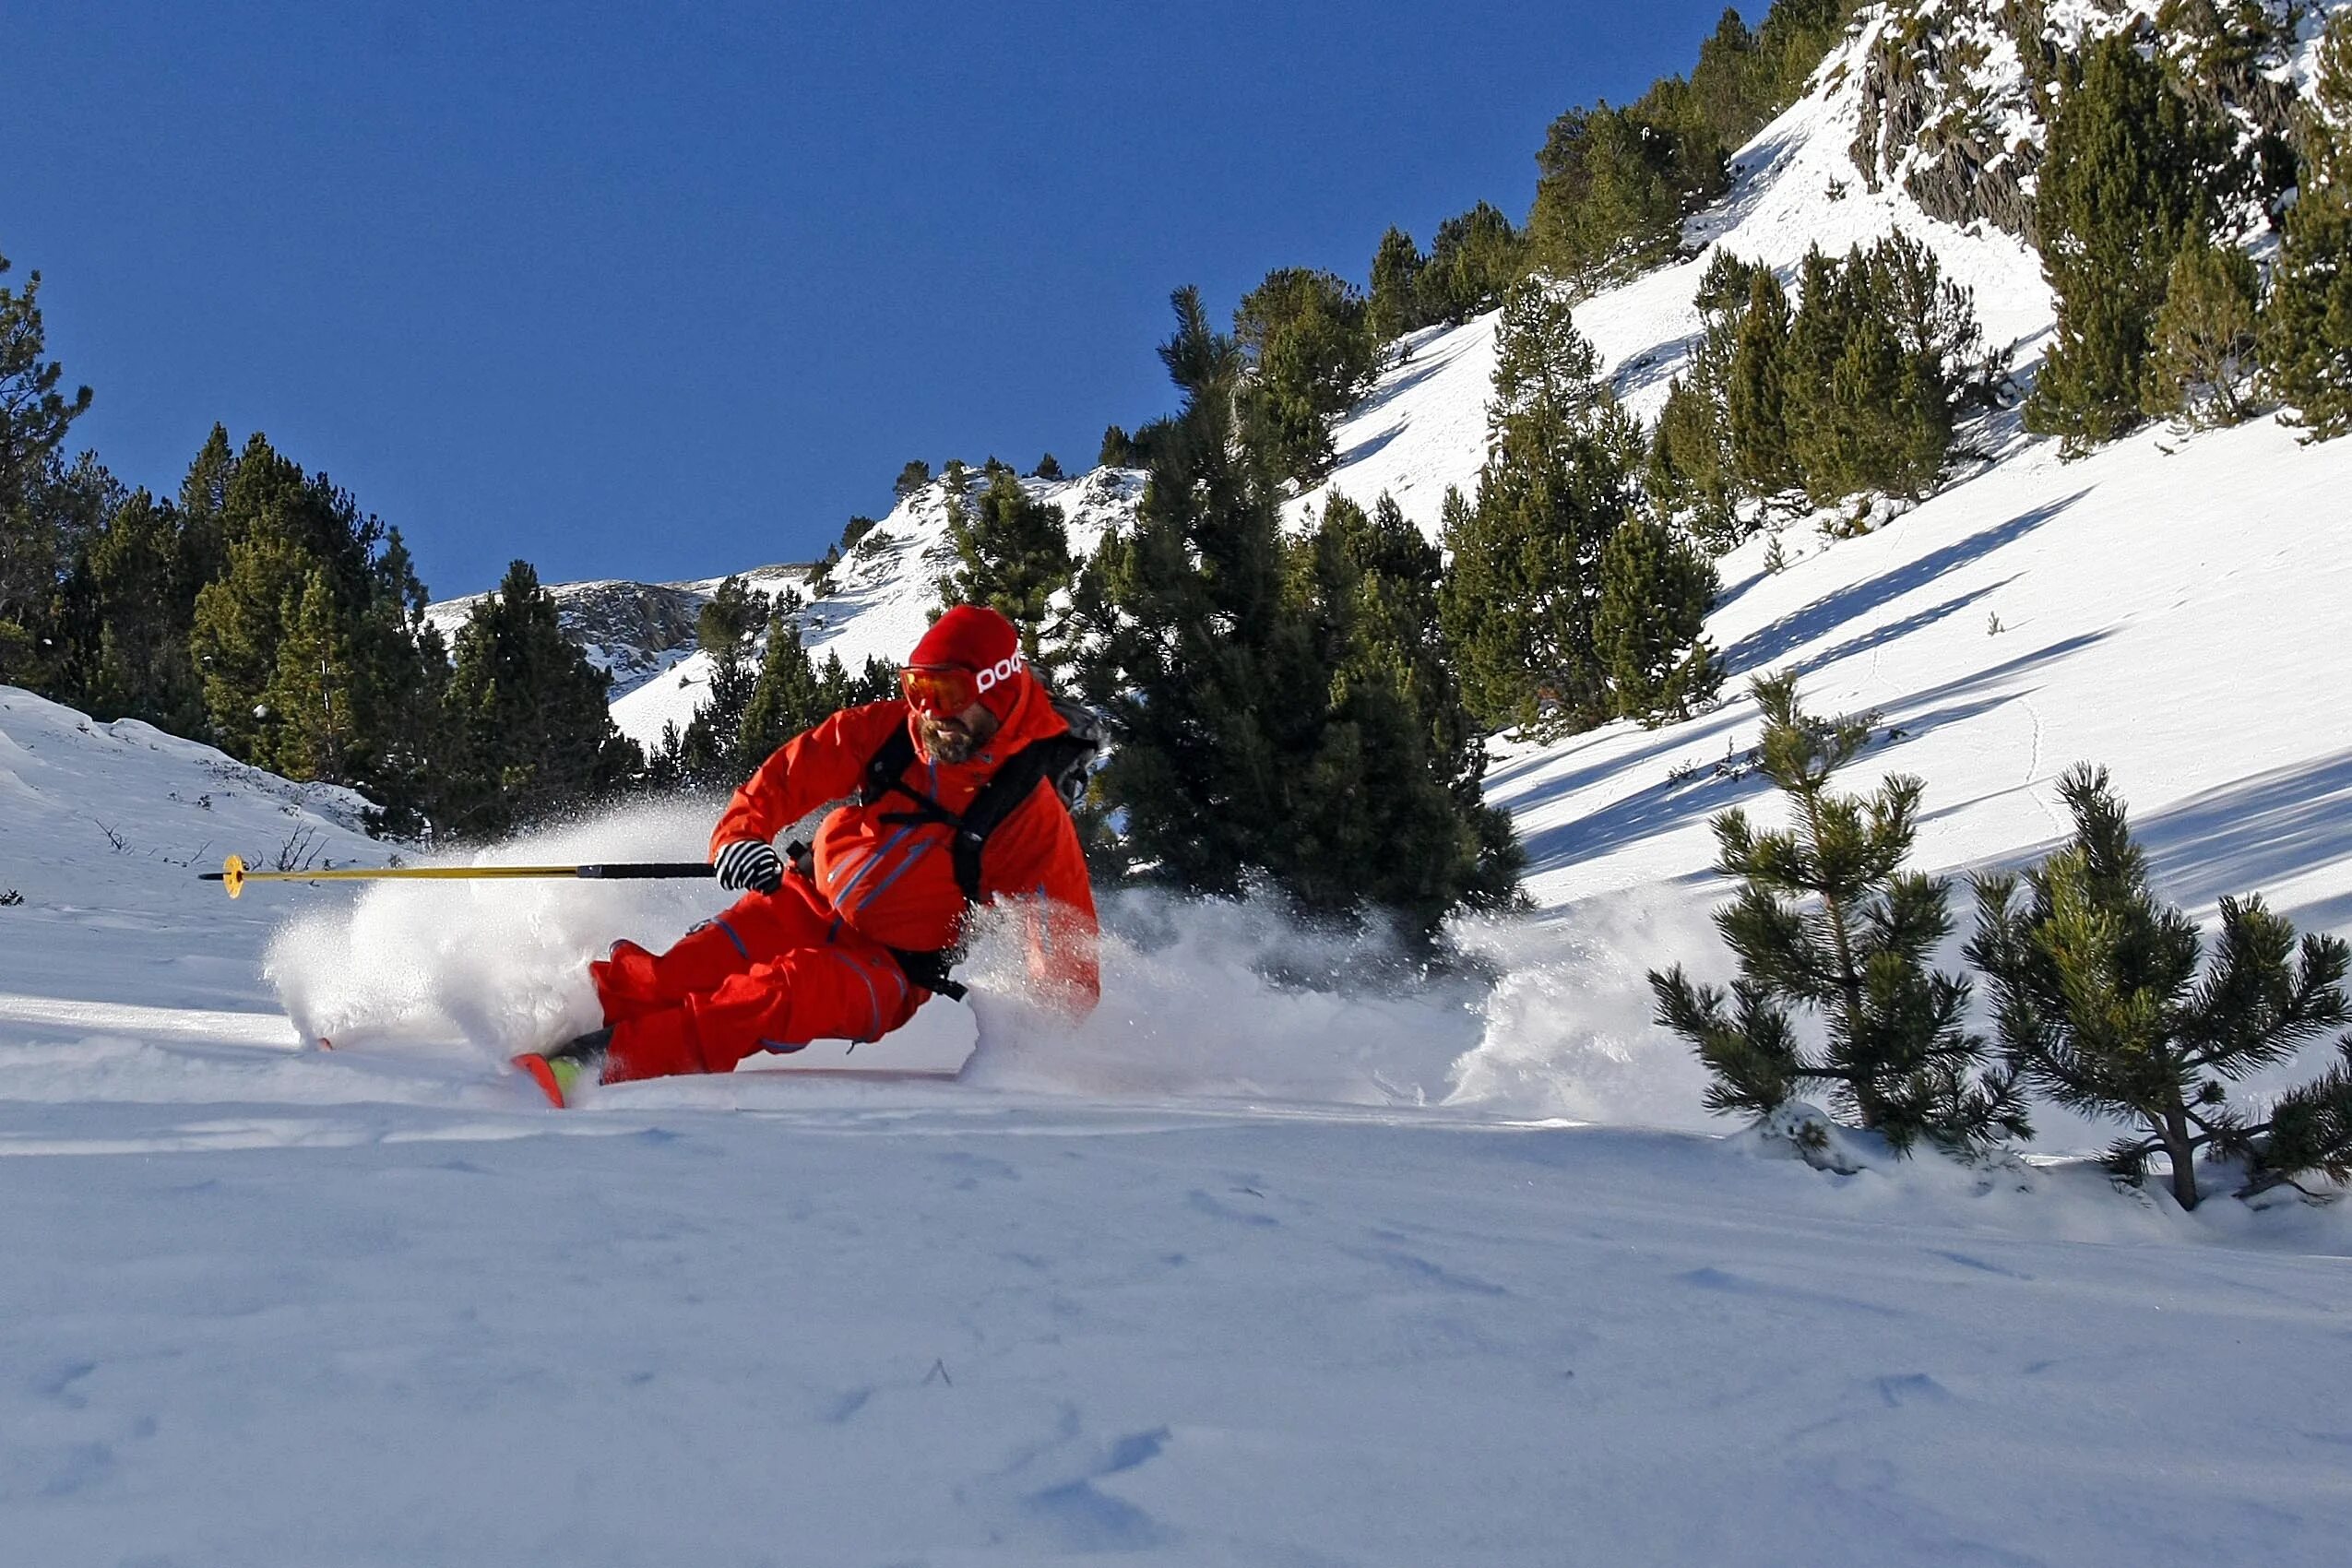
(885, 767)
(1012, 783)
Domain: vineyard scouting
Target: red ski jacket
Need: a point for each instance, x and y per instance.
(894, 881)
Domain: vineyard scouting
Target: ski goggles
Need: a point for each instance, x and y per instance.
(941, 690)
(945, 690)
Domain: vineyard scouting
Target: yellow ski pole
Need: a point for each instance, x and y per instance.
(234, 875)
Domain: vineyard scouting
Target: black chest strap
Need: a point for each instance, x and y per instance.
(1007, 789)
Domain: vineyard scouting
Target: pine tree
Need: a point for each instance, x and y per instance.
(135, 598)
(309, 730)
(37, 542)
(1878, 355)
(281, 532)
(1475, 257)
(711, 753)
(1827, 920)
(2309, 1130)
(1391, 810)
(1690, 475)
(1311, 354)
(1118, 450)
(913, 477)
(1046, 469)
(1656, 590)
(1014, 555)
(1851, 429)
(1764, 449)
(1724, 84)
(269, 549)
(2099, 1002)
(2118, 195)
(820, 578)
(1941, 343)
(54, 528)
(1277, 711)
(1790, 44)
(1561, 473)
(1608, 198)
(1210, 687)
(1394, 306)
(2203, 342)
(1695, 476)
(789, 696)
(834, 684)
(203, 503)
(877, 678)
(2306, 325)
(401, 678)
(1685, 145)
(533, 734)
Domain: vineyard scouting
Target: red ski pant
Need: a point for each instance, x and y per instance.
(772, 973)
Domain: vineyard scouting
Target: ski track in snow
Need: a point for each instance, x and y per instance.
(1233, 1273)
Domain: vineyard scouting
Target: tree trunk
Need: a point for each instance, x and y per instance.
(1866, 1098)
(2183, 1149)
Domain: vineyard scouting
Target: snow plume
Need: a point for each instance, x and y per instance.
(1568, 1030)
(1213, 999)
(499, 965)
(1217, 999)
(1202, 999)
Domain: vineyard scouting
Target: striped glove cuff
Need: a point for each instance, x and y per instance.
(749, 863)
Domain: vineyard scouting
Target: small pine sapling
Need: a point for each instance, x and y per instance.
(2099, 1003)
(1827, 920)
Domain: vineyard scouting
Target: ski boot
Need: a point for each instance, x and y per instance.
(558, 1071)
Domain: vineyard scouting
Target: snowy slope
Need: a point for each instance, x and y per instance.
(1210, 1283)
(1423, 429)
(1233, 1274)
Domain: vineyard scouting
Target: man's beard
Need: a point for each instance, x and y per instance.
(947, 741)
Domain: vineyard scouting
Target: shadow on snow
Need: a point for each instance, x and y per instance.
(1855, 600)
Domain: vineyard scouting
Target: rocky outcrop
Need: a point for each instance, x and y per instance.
(1948, 111)
(633, 631)
(1956, 96)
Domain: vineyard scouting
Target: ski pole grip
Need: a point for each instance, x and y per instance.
(649, 871)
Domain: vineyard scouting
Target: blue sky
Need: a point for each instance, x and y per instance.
(660, 291)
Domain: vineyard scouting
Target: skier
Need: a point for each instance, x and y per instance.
(956, 789)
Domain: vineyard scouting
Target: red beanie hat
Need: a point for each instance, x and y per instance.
(974, 637)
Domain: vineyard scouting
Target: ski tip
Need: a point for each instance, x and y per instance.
(536, 1068)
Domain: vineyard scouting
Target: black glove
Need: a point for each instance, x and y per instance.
(749, 863)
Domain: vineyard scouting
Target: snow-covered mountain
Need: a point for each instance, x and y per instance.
(1235, 1272)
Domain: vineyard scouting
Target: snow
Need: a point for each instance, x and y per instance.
(885, 591)
(1221, 1276)
(1235, 1272)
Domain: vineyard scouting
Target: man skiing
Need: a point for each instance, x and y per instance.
(953, 803)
